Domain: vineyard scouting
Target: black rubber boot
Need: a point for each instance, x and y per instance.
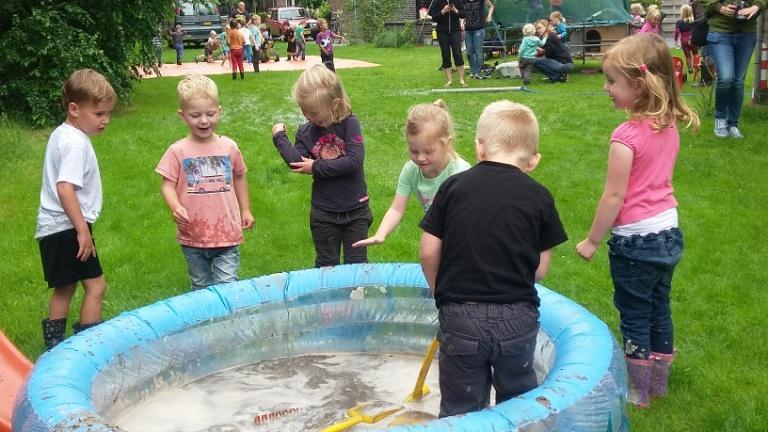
(53, 331)
(234, 75)
(77, 327)
(242, 75)
(256, 64)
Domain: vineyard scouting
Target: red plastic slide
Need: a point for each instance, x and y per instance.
(14, 368)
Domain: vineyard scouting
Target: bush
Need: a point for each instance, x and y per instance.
(42, 45)
(395, 39)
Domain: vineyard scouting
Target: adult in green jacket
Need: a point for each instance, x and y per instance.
(731, 41)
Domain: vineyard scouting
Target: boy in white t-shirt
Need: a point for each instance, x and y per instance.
(70, 201)
(204, 185)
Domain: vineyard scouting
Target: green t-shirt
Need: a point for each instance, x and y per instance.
(413, 181)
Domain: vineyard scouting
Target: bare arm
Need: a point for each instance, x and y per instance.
(544, 259)
(619, 167)
(391, 220)
(71, 206)
(491, 8)
(177, 210)
(430, 253)
(241, 192)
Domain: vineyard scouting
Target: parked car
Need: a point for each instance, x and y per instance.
(280, 18)
(197, 20)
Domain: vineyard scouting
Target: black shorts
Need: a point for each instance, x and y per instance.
(58, 252)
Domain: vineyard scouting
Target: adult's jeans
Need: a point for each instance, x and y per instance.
(641, 269)
(731, 53)
(179, 52)
(553, 69)
(474, 41)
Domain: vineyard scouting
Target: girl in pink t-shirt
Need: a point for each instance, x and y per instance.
(639, 208)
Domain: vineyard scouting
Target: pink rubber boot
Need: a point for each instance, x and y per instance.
(662, 363)
(639, 376)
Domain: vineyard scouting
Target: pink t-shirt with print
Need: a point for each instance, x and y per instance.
(649, 191)
(204, 175)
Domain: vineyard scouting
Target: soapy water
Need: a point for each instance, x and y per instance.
(304, 393)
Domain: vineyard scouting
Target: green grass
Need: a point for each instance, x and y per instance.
(718, 382)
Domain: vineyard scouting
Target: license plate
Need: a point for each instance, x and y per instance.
(206, 23)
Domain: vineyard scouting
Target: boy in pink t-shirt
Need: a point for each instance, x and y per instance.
(204, 185)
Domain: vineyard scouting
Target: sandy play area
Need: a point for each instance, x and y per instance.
(169, 69)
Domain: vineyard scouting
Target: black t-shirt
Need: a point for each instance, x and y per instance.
(554, 48)
(494, 221)
(475, 14)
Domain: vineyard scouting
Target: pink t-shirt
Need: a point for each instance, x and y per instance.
(649, 191)
(203, 174)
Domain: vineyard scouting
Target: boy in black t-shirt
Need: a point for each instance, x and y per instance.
(488, 238)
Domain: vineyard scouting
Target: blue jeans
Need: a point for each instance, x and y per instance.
(474, 41)
(641, 269)
(553, 69)
(484, 344)
(731, 53)
(211, 266)
(179, 52)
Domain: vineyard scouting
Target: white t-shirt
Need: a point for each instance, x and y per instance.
(69, 157)
(246, 32)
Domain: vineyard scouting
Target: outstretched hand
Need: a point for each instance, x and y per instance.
(370, 241)
(303, 167)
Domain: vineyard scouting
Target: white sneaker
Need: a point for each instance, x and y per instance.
(721, 128)
(734, 132)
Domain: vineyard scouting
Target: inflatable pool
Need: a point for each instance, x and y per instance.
(87, 381)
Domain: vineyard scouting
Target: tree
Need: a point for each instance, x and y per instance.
(45, 41)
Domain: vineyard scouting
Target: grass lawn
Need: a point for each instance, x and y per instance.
(719, 380)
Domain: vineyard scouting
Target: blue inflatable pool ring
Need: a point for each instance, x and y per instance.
(84, 383)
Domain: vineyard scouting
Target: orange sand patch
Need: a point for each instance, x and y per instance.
(169, 70)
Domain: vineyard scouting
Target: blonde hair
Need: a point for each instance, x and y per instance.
(197, 86)
(557, 15)
(686, 13)
(86, 85)
(319, 89)
(508, 127)
(322, 24)
(529, 30)
(646, 57)
(653, 16)
(431, 116)
(547, 25)
(637, 7)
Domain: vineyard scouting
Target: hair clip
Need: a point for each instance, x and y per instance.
(643, 68)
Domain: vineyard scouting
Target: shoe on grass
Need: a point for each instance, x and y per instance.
(721, 128)
(734, 132)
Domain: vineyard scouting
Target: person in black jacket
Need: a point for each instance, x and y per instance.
(446, 14)
(557, 62)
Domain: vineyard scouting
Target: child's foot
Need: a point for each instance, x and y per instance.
(463, 84)
(448, 84)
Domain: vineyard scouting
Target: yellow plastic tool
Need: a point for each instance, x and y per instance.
(421, 388)
(364, 413)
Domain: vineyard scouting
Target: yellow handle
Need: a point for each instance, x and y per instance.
(418, 389)
(346, 424)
